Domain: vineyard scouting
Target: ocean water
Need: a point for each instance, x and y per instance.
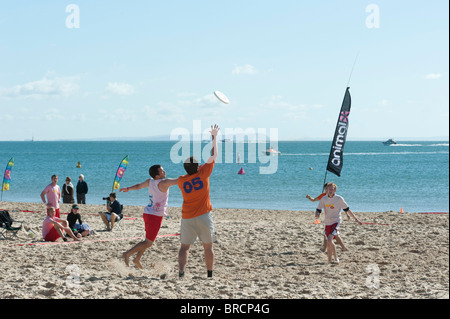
(412, 175)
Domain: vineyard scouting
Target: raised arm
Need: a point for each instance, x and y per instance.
(214, 131)
(165, 184)
(135, 187)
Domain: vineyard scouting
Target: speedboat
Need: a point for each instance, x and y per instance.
(389, 142)
(271, 151)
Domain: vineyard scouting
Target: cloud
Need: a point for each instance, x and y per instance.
(200, 102)
(284, 110)
(385, 102)
(48, 86)
(433, 76)
(120, 88)
(53, 115)
(245, 69)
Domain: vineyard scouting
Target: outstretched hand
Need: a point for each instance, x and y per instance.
(214, 130)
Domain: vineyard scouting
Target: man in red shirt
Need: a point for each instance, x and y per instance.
(196, 217)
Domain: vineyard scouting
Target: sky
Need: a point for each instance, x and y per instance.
(84, 69)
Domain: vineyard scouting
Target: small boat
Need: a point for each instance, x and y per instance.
(271, 151)
(389, 142)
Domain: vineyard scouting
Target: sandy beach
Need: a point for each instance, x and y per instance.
(261, 254)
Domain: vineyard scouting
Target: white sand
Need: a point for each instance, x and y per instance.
(259, 254)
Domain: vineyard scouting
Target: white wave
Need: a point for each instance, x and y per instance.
(425, 145)
(369, 153)
(311, 154)
(442, 144)
(397, 145)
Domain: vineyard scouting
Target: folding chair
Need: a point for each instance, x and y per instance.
(7, 230)
(119, 223)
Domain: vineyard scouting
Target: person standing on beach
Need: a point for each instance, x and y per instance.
(196, 217)
(67, 191)
(158, 193)
(53, 193)
(332, 204)
(82, 189)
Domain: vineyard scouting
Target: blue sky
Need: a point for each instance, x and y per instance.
(146, 68)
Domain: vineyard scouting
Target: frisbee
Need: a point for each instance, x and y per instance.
(222, 97)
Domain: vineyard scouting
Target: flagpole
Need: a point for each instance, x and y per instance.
(353, 67)
(324, 181)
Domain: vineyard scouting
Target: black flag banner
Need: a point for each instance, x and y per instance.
(335, 161)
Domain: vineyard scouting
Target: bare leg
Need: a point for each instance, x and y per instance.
(209, 256)
(341, 243)
(139, 248)
(105, 220)
(331, 249)
(324, 247)
(183, 255)
(113, 219)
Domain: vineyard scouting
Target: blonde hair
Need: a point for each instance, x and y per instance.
(332, 184)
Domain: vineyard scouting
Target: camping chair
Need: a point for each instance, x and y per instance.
(119, 223)
(7, 230)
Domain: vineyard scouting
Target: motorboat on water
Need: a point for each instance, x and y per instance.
(389, 142)
(271, 151)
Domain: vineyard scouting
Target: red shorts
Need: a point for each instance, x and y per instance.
(152, 226)
(57, 214)
(52, 235)
(332, 230)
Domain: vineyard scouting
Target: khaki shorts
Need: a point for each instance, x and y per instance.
(200, 226)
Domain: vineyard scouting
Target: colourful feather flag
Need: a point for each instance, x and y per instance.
(120, 171)
(7, 176)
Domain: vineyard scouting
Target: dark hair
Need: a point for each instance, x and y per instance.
(113, 194)
(154, 170)
(191, 165)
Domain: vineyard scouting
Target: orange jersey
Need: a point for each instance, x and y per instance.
(195, 190)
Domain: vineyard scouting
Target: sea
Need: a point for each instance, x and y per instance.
(413, 175)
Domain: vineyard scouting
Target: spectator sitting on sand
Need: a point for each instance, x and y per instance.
(54, 227)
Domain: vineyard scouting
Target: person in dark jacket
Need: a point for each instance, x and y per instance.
(82, 189)
(67, 192)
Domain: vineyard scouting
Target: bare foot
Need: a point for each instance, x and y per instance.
(138, 263)
(126, 258)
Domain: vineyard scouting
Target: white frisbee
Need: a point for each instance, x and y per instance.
(222, 97)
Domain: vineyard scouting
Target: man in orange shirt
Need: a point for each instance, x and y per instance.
(196, 217)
